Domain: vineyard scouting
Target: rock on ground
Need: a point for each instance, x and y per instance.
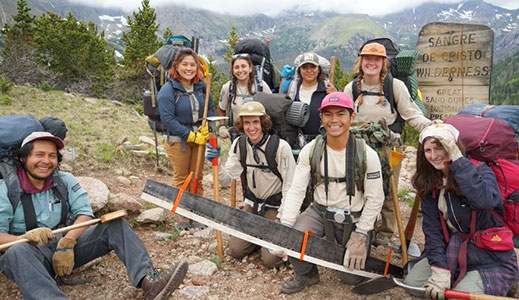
(97, 192)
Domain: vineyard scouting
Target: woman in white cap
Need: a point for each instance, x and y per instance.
(310, 87)
(461, 204)
(371, 105)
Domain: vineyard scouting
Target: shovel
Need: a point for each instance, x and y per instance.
(420, 292)
(377, 284)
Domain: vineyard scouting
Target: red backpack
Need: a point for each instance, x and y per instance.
(494, 141)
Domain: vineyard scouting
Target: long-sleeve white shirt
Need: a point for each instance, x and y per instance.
(261, 182)
(370, 202)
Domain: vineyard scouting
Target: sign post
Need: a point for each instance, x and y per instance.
(454, 66)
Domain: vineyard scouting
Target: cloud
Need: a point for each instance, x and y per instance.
(272, 7)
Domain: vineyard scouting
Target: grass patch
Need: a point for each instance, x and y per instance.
(216, 260)
(93, 128)
(45, 86)
(6, 100)
(174, 235)
(5, 84)
(149, 205)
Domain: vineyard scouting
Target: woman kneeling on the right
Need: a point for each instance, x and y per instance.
(459, 198)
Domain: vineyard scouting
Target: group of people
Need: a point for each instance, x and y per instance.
(452, 189)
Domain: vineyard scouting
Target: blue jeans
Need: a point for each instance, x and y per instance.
(30, 267)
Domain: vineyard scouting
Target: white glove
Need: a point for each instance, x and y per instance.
(223, 132)
(436, 285)
(451, 148)
(436, 122)
(279, 253)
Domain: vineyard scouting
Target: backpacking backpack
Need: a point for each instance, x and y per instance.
(356, 167)
(286, 115)
(494, 141)
(403, 67)
(13, 130)
(263, 64)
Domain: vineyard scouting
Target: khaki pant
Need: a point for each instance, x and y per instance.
(240, 248)
(185, 162)
(421, 272)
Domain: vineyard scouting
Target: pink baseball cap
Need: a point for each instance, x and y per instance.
(339, 99)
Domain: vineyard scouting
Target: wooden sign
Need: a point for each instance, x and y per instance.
(454, 66)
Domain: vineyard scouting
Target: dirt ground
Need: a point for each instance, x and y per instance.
(235, 279)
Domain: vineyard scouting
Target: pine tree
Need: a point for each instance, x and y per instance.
(218, 79)
(141, 39)
(232, 40)
(73, 49)
(19, 36)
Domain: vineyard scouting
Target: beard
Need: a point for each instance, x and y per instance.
(34, 175)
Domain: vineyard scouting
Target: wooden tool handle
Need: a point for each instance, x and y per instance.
(201, 148)
(409, 229)
(332, 70)
(104, 219)
(469, 296)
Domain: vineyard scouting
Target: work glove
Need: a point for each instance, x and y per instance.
(436, 285)
(38, 236)
(198, 137)
(450, 147)
(223, 132)
(63, 258)
(356, 251)
(281, 253)
(211, 153)
(204, 130)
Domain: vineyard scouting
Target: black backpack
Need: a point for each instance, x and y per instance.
(14, 129)
(260, 55)
(402, 66)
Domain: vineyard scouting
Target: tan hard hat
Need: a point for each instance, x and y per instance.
(252, 108)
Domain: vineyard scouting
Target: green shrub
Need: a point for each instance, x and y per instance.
(45, 86)
(5, 84)
(216, 260)
(6, 100)
(410, 136)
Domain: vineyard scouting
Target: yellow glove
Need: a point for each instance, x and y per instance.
(63, 258)
(198, 137)
(38, 236)
(204, 129)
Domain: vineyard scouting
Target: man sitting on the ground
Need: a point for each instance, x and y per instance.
(33, 265)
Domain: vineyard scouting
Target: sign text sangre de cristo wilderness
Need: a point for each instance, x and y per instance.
(454, 66)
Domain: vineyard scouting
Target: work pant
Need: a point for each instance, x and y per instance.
(421, 272)
(240, 248)
(387, 227)
(312, 220)
(30, 267)
(184, 162)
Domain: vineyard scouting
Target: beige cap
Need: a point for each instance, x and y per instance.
(252, 108)
(374, 49)
(41, 135)
(445, 131)
(309, 58)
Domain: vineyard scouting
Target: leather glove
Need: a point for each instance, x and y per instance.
(451, 148)
(436, 285)
(38, 236)
(198, 137)
(211, 153)
(223, 132)
(63, 258)
(356, 251)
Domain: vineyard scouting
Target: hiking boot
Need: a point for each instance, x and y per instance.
(298, 283)
(351, 279)
(160, 286)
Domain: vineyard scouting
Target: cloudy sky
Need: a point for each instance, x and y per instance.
(271, 7)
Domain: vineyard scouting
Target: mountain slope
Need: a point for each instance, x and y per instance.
(505, 81)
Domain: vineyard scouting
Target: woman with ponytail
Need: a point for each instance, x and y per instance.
(371, 105)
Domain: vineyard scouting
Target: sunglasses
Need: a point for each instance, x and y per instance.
(241, 55)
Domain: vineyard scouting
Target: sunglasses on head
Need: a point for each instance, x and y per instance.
(241, 55)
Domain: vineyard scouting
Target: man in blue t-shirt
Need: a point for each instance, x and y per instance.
(33, 265)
